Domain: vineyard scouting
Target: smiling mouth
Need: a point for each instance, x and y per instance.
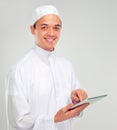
(49, 40)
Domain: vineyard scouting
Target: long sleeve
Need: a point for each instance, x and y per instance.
(19, 113)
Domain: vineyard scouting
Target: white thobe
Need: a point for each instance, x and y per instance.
(38, 86)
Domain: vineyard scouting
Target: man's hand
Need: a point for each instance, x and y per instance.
(65, 113)
(78, 95)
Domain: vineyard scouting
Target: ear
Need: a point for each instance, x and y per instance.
(32, 29)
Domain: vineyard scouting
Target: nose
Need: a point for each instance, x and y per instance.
(51, 31)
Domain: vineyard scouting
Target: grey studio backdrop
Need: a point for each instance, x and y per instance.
(88, 39)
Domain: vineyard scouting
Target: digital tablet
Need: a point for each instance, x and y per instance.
(88, 100)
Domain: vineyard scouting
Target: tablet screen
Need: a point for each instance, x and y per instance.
(88, 100)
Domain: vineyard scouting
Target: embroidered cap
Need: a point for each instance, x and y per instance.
(44, 10)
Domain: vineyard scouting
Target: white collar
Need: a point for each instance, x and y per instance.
(48, 57)
(43, 52)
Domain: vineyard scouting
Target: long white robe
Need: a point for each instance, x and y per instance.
(38, 86)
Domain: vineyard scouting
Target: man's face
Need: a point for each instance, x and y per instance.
(47, 31)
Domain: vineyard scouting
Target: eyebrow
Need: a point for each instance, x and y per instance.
(58, 25)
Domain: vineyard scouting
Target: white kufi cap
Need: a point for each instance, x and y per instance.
(44, 10)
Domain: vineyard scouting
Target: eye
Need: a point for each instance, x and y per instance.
(44, 27)
(57, 28)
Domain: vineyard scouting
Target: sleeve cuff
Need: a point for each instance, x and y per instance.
(45, 123)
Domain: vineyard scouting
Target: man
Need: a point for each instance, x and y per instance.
(41, 86)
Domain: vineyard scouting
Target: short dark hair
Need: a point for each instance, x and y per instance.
(34, 25)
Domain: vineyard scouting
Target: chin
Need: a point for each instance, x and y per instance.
(51, 49)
